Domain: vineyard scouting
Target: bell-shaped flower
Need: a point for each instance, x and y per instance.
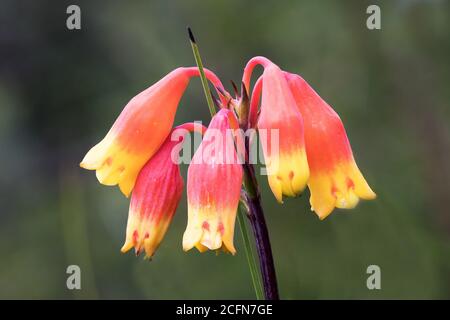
(335, 180)
(140, 130)
(155, 198)
(280, 127)
(213, 188)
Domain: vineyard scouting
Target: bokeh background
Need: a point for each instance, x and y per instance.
(61, 90)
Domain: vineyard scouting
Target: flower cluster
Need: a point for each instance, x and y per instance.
(138, 154)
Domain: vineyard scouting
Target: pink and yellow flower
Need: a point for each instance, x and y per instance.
(280, 127)
(139, 130)
(156, 195)
(335, 180)
(154, 200)
(303, 140)
(213, 188)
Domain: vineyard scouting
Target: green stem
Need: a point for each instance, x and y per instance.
(75, 232)
(205, 84)
(256, 279)
(248, 248)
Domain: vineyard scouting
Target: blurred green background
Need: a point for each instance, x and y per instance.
(61, 90)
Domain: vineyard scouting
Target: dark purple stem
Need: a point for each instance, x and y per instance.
(262, 240)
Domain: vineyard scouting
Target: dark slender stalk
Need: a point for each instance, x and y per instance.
(255, 215)
(261, 233)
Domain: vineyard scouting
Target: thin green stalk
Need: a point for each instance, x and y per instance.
(75, 233)
(248, 248)
(205, 84)
(256, 279)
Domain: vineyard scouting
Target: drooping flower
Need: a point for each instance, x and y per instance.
(335, 180)
(303, 140)
(139, 131)
(280, 127)
(156, 195)
(213, 188)
(154, 200)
